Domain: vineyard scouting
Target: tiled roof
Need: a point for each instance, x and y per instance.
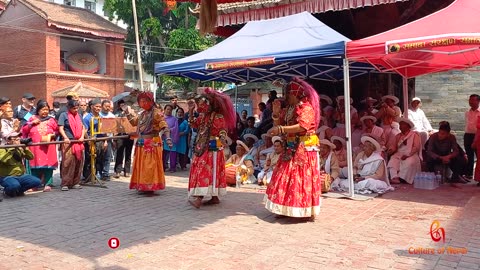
(75, 19)
(83, 91)
(233, 13)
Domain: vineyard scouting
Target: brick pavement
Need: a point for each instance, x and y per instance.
(69, 230)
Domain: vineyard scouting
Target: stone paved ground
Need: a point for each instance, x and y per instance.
(69, 230)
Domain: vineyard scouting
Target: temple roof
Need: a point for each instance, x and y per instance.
(83, 91)
(74, 19)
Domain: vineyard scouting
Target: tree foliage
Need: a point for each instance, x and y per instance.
(164, 36)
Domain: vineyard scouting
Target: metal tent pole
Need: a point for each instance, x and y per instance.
(348, 125)
(405, 97)
(137, 41)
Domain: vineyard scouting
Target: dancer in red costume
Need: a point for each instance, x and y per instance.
(295, 187)
(207, 173)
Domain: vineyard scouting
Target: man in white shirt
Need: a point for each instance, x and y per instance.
(470, 130)
(419, 119)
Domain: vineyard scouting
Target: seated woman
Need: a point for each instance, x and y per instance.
(340, 150)
(370, 172)
(329, 164)
(272, 158)
(443, 150)
(262, 151)
(240, 165)
(404, 163)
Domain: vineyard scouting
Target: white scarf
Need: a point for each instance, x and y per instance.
(370, 164)
(327, 163)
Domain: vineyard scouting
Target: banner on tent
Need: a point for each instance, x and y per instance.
(397, 47)
(240, 63)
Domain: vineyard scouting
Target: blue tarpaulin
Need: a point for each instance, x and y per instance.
(296, 45)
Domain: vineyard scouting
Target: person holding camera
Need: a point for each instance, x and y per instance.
(12, 171)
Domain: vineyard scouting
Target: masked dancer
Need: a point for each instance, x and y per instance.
(295, 187)
(148, 174)
(207, 173)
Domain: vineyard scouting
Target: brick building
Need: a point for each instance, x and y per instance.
(47, 47)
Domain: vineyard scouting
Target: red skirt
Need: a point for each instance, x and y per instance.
(295, 187)
(201, 182)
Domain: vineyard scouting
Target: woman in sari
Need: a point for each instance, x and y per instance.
(207, 172)
(240, 165)
(148, 175)
(71, 128)
(42, 128)
(170, 153)
(295, 187)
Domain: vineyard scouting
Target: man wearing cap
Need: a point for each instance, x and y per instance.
(420, 120)
(369, 127)
(329, 163)
(24, 111)
(388, 112)
(405, 163)
(12, 171)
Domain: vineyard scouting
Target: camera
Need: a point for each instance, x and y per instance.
(26, 141)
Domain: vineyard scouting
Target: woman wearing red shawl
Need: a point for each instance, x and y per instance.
(42, 128)
(71, 128)
(295, 187)
(148, 174)
(207, 172)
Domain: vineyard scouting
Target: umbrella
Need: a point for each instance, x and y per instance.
(120, 96)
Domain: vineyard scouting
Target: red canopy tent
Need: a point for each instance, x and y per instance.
(445, 40)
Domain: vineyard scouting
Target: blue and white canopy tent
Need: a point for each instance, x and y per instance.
(297, 45)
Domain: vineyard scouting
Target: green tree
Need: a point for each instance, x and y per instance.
(164, 36)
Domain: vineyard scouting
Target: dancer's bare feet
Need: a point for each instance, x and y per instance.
(312, 218)
(196, 203)
(212, 201)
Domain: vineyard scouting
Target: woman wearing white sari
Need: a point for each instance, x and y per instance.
(405, 161)
(370, 172)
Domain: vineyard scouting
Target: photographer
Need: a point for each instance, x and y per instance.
(12, 172)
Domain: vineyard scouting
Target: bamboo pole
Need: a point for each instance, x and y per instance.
(62, 142)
